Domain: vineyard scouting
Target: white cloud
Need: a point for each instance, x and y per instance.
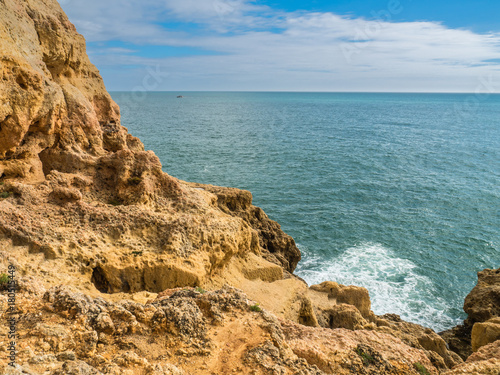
(262, 49)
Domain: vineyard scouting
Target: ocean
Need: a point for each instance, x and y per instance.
(399, 193)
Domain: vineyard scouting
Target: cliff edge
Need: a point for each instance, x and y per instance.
(123, 269)
(76, 184)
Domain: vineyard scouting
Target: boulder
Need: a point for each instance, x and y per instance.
(483, 302)
(485, 333)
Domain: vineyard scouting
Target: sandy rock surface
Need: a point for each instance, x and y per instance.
(123, 269)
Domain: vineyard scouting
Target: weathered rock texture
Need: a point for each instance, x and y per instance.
(482, 325)
(483, 302)
(77, 188)
(55, 112)
(486, 361)
(189, 331)
(84, 206)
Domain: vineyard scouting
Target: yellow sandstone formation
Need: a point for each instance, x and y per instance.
(123, 269)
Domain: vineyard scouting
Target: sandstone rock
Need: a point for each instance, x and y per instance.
(14, 370)
(202, 332)
(486, 353)
(485, 333)
(180, 317)
(76, 368)
(69, 303)
(350, 295)
(87, 343)
(278, 247)
(166, 369)
(49, 84)
(483, 302)
(267, 357)
(342, 316)
(104, 323)
(53, 336)
(66, 356)
(129, 359)
(486, 361)
(84, 192)
(420, 337)
(30, 285)
(65, 195)
(217, 331)
(341, 351)
(89, 208)
(42, 359)
(85, 206)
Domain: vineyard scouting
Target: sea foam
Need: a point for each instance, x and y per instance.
(395, 284)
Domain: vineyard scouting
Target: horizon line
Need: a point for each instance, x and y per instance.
(317, 92)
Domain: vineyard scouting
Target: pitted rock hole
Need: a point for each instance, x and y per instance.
(99, 280)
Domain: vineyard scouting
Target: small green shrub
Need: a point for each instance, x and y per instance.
(200, 290)
(366, 357)
(137, 253)
(4, 194)
(4, 281)
(255, 308)
(134, 181)
(421, 368)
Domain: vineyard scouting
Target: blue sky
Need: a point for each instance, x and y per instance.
(277, 45)
(478, 15)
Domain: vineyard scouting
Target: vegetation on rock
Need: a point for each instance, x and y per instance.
(421, 369)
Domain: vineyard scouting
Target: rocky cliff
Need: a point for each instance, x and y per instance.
(123, 269)
(81, 190)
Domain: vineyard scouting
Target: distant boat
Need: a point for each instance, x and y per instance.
(179, 96)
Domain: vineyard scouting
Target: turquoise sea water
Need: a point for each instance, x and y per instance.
(399, 193)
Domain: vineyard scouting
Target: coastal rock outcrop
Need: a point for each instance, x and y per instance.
(55, 111)
(78, 189)
(191, 331)
(277, 247)
(485, 333)
(150, 264)
(486, 361)
(482, 306)
(483, 302)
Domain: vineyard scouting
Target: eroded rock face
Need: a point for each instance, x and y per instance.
(277, 247)
(333, 305)
(54, 106)
(77, 188)
(482, 304)
(419, 337)
(191, 331)
(342, 351)
(486, 361)
(83, 205)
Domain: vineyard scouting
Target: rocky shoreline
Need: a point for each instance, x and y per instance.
(123, 269)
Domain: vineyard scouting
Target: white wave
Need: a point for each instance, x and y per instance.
(394, 283)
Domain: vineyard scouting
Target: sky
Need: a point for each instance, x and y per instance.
(279, 45)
